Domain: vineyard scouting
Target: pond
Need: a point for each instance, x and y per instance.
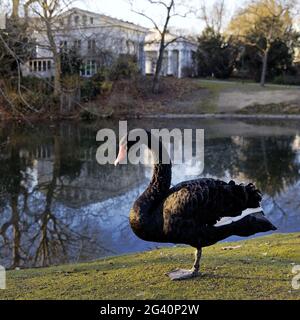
(58, 205)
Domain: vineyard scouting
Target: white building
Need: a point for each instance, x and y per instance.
(179, 56)
(98, 39)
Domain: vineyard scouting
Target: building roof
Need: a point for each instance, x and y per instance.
(154, 36)
(112, 20)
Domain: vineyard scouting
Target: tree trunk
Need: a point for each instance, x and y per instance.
(15, 9)
(57, 74)
(56, 57)
(264, 68)
(155, 85)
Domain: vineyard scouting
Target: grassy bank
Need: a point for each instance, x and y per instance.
(199, 96)
(133, 98)
(259, 269)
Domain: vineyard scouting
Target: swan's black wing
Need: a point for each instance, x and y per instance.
(204, 202)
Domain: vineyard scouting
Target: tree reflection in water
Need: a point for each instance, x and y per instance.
(38, 172)
(273, 163)
(59, 206)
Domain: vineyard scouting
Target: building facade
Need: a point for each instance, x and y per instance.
(179, 56)
(98, 39)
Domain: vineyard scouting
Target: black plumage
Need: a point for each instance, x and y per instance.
(187, 213)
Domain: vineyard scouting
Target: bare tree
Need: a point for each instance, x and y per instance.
(171, 8)
(215, 16)
(49, 14)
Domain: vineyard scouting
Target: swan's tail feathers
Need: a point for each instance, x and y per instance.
(246, 227)
(238, 198)
(254, 196)
(252, 224)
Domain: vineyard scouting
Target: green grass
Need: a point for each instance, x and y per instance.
(209, 102)
(260, 269)
(272, 108)
(244, 86)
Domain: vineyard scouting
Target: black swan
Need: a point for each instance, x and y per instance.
(188, 212)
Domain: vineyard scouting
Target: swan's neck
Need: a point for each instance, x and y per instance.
(160, 182)
(161, 178)
(145, 216)
(162, 171)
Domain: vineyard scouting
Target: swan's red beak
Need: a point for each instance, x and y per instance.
(121, 155)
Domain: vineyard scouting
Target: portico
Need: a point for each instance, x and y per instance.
(179, 57)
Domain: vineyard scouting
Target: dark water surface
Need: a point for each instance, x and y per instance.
(57, 205)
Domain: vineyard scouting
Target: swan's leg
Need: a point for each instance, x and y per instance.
(181, 274)
(198, 255)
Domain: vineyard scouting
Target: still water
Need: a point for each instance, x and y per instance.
(57, 205)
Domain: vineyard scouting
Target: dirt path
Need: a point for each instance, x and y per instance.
(236, 100)
(230, 97)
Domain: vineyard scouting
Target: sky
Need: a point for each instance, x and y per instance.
(121, 9)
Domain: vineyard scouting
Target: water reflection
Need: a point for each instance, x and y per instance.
(57, 205)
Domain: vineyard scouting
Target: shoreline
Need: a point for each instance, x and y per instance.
(225, 116)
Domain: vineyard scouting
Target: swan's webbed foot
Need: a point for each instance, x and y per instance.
(182, 274)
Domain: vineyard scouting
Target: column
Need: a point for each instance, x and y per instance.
(142, 58)
(180, 63)
(170, 62)
(148, 63)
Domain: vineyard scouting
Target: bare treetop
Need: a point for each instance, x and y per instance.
(171, 9)
(214, 17)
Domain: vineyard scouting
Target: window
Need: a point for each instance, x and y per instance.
(93, 67)
(89, 68)
(49, 65)
(40, 66)
(84, 20)
(91, 20)
(76, 20)
(92, 45)
(44, 65)
(77, 44)
(34, 66)
(63, 45)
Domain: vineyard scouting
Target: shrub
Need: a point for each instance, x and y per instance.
(35, 84)
(88, 116)
(287, 80)
(125, 67)
(71, 82)
(29, 101)
(89, 89)
(188, 72)
(106, 87)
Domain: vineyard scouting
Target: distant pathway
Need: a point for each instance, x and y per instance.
(220, 97)
(221, 116)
